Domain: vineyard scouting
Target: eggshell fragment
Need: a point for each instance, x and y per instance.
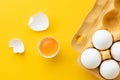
(39, 22)
(109, 69)
(17, 45)
(91, 58)
(115, 51)
(102, 39)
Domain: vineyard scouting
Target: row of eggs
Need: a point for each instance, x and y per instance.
(91, 57)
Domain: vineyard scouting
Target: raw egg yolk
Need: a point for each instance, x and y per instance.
(48, 46)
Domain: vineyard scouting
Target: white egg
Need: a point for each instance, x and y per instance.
(115, 51)
(102, 39)
(109, 69)
(91, 58)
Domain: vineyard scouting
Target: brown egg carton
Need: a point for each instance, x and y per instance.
(104, 15)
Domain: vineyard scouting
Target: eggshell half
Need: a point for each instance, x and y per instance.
(39, 22)
(17, 45)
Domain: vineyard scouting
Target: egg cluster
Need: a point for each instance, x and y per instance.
(91, 58)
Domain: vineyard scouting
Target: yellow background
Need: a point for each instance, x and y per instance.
(65, 18)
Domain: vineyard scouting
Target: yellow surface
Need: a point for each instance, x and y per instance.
(65, 17)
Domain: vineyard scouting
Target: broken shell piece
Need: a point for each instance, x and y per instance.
(39, 22)
(17, 45)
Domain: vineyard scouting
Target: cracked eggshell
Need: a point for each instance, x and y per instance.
(91, 58)
(17, 45)
(39, 22)
(109, 69)
(102, 39)
(115, 51)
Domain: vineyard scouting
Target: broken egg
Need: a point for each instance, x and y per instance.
(39, 22)
(48, 47)
(17, 45)
(102, 39)
(115, 51)
(91, 58)
(109, 69)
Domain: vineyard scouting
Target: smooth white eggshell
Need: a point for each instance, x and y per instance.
(115, 51)
(39, 22)
(109, 69)
(91, 58)
(102, 39)
(17, 45)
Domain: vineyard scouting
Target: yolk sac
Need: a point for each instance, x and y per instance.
(48, 47)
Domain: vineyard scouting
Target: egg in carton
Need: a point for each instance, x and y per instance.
(98, 38)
